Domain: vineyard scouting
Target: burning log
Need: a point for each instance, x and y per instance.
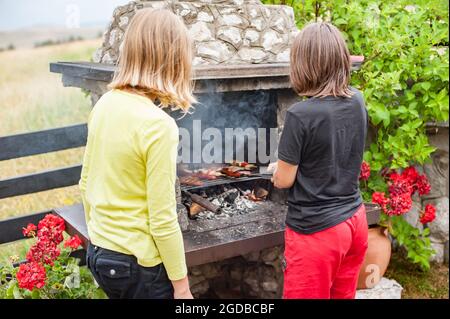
(203, 202)
(194, 209)
(258, 194)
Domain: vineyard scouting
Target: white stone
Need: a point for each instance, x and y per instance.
(413, 216)
(279, 24)
(232, 20)
(112, 37)
(289, 11)
(200, 32)
(253, 13)
(215, 50)
(439, 252)
(107, 59)
(123, 21)
(267, 12)
(252, 55)
(283, 56)
(251, 35)
(199, 61)
(97, 56)
(439, 228)
(258, 24)
(231, 35)
(385, 289)
(271, 39)
(205, 17)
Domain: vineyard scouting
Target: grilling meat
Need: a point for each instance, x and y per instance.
(190, 181)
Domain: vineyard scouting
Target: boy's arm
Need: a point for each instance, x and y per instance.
(289, 152)
(284, 174)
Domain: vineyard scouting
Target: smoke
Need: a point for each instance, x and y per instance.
(242, 118)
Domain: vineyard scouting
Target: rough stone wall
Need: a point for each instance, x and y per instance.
(255, 275)
(224, 31)
(438, 173)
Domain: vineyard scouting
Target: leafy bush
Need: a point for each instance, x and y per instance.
(404, 80)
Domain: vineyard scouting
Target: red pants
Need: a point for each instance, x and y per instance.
(325, 264)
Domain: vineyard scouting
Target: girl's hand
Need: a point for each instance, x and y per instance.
(181, 289)
(183, 295)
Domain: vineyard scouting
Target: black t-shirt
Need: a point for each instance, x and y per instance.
(325, 137)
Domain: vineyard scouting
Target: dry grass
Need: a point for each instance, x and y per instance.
(32, 98)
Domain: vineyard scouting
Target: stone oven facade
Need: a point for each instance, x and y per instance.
(224, 31)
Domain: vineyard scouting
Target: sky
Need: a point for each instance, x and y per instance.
(18, 14)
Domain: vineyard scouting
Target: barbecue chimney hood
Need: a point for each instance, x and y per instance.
(240, 45)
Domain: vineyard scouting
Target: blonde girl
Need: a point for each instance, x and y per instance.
(129, 168)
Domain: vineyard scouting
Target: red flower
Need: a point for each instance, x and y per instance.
(365, 171)
(428, 215)
(29, 231)
(422, 184)
(410, 174)
(399, 204)
(51, 227)
(44, 251)
(380, 199)
(73, 242)
(400, 186)
(31, 275)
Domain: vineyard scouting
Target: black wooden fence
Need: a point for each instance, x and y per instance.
(34, 143)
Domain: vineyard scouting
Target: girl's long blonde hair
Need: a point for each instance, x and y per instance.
(155, 59)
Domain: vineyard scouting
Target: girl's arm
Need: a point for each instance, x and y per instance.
(160, 143)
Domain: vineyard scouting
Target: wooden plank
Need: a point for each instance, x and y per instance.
(11, 228)
(38, 182)
(19, 145)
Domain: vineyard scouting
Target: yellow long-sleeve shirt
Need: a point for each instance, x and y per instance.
(128, 181)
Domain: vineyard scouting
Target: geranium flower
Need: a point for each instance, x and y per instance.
(428, 215)
(410, 174)
(43, 251)
(73, 242)
(365, 171)
(30, 230)
(399, 204)
(380, 199)
(423, 186)
(51, 227)
(31, 275)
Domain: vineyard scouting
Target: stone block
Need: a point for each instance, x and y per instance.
(385, 289)
(439, 252)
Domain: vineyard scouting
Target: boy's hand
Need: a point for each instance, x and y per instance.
(272, 167)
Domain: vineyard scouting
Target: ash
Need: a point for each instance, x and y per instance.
(232, 202)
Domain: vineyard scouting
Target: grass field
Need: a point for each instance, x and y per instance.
(32, 98)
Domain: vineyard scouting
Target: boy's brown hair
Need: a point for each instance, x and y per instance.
(320, 62)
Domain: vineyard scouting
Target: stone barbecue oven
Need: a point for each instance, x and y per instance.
(241, 81)
(224, 31)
